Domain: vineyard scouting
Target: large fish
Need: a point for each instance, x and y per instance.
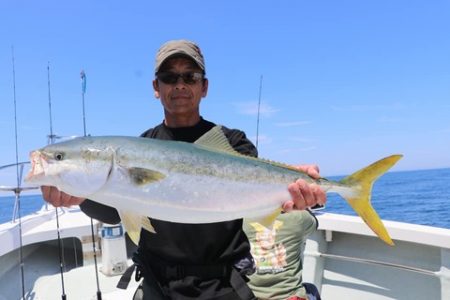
(203, 182)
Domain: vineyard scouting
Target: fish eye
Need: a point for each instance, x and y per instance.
(59, 156)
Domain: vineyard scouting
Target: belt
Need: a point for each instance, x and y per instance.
(175, 272)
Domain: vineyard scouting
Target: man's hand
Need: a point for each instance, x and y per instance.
(57, 198)
(304, 194)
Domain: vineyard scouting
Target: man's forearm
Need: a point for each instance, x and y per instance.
(106, 214)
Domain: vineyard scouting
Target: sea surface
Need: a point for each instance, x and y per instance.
(419, 197)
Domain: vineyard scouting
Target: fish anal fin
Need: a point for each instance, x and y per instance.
(147, 225)
(267, 221)
(133, 223)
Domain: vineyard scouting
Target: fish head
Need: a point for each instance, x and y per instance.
(78, 167)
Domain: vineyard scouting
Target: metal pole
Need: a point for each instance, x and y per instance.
(83, 91)
(259, 107)
(17, 190)
(51, 139)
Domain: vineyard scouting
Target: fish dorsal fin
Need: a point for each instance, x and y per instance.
(281, 165)
(215, 139)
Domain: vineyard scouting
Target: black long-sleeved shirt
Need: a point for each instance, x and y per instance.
(188, 244)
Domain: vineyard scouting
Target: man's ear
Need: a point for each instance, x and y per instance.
(205, 88)
(156, 88)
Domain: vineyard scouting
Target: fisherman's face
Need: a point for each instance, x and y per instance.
(180, 99)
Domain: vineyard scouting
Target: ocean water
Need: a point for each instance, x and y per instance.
(28, 205)
(419, 197)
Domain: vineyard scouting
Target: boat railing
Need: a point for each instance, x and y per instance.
(18, 189)
(373, 262)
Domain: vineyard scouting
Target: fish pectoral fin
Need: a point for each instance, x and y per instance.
(141, 176)
(133, 224)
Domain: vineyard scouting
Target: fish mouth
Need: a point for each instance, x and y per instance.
(38, 166)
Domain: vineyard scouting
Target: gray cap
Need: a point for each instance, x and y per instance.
(179, 47)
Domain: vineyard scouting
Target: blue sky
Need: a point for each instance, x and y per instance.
(344, 82)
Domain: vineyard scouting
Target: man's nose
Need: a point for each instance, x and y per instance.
(180, 84)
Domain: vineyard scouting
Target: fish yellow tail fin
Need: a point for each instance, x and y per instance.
(361, 183)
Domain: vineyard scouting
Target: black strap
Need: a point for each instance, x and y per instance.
(176, 272)
(240, 286)
(126, 277)
(236, 280)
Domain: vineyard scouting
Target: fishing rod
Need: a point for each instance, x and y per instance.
(18, 188)
(259, 107)
(83, 91)
(51, 136)
(18, 177)
(51, 139)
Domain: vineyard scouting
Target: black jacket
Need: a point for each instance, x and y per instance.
(188, 244)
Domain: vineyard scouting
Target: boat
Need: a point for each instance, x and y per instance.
(344, 259)
(56, 251)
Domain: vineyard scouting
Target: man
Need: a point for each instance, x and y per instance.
(190, 261)
(278, 255)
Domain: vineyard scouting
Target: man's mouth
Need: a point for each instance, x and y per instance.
(180, 96)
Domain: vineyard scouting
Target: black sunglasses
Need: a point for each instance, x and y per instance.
(172, 78)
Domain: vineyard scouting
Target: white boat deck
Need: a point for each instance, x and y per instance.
(41, 226)
(43, 280)
(41, 259)
(343, 259)
(81, 283)
(346, 261)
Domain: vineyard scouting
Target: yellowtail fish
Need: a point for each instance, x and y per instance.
(204, 182)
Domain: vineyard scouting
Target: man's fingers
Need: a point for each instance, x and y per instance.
(321, 196)
(295, 192)
(299, 193)
(288, 206)
(66, 199)
(45, 190)
(311, 170)
(57, 198)
(308, 197)
(51, 195)
(304, 195)
(314, 172)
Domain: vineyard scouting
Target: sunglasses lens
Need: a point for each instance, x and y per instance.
(172, 78)
(188, 78)
(168, 78)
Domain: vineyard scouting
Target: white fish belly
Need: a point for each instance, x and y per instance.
(187, 198)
